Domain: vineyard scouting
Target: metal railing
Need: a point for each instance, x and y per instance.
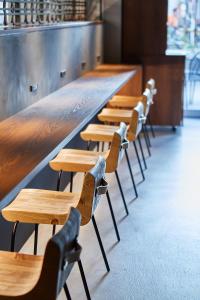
(23, 12)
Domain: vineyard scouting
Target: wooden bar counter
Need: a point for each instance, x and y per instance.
(32, 137)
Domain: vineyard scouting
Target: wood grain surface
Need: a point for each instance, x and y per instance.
(134, 86)
(19, 273)
(32, 137)
(76, 160)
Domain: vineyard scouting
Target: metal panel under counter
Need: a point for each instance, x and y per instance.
(36, 61)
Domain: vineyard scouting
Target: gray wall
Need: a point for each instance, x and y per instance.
(36, 57)
(112, 10)
(112, 17)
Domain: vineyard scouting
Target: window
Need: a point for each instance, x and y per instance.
(183, 24)
(1, 13)
(184, 39)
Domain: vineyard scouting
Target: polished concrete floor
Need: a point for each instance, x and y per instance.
(158, 257)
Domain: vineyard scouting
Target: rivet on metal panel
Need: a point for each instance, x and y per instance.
(98, 58)
(83, 65)
(63, 73)
(33, 88)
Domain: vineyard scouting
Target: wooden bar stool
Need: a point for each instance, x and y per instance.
(31, 277)
(52, 207)
(104, 133)
(128, 102)
(73, 160)
(121, 101)
(134, 118)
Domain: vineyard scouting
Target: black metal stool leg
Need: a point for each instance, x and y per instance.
(121, 192)
(36, 239)
(151, 126)
(131, 173)
(97, 146)
(68, 296)
(58, 189)
(139, 161)
(146, 141)
(147, 134)
(100, 243)
(88, 145)
(14, 231)
(54, 230)
(113, 216)
(71, 182)
(84, 280)
(141, 149)
(102, 148)
(59, 181)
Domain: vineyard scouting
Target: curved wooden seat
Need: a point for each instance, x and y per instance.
(115, 115)
(98, 133)
(134, 118)
(51, 207)
(41, 207)
(131, 102)
(19, 273)
(125, 101)
(73, 160)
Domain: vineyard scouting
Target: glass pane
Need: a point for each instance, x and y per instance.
(184, 38)
(183, 21)
(1, 13)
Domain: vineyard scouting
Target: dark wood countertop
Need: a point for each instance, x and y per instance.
(116, 68)
(32, 137)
